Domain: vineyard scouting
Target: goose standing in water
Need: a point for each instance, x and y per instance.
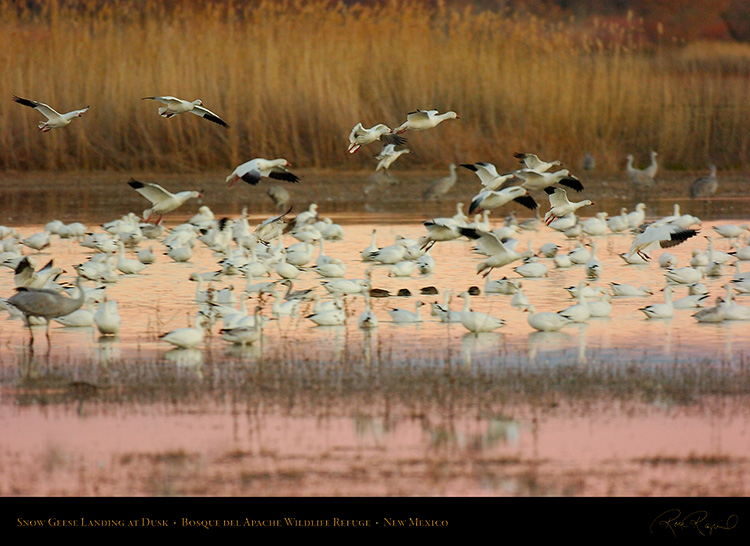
(54, 118)
(705, 186)
(478, 322)
(545, 321)
(661, 310)
(189, 337)
(367, 320)
(403, 316)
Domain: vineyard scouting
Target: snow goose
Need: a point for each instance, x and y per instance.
(560, 205)
(624, 290)
(684, 275)
(189, 337)
(441, 186)
(602, 307)
(403, 316)
(619, 223)
(359, 136)
(443, 311)
(664, 236)
(579, 312)
(534, 180)
(176, 106)
(731, 231)
(404, 268)
(440, 229)
(667, 259)
(281, 308)
(391, 254)
(271, 228)
(532, 268)
(488, 175)
(37, 241)
(661, 310)
(162, 200)
(420, 120)
(637, 217)
(733, 310)
(367, 320)
(367, 252)
(247, 334)
(107, 318)
(127, 265)
(593, 265)
(691, 301)
(80, 318)
(549, 250)
(478, 322)
(388, 156)
(252, 171)
(498, 253)
(146, 255)
(545, 321)
(333, 317)
(532, 161)
(503, 286)
(344, 287)
(519, 299)
(54, 118)
(491, 199)
(596, 225)
(705, 186)
(426, 264)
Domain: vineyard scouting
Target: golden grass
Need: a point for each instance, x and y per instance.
(293, 78)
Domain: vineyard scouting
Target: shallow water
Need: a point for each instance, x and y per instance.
(615, 406)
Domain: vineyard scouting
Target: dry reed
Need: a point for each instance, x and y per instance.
(292, 78)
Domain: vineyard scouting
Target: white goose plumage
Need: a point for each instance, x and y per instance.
(55, 120)
(176, 106)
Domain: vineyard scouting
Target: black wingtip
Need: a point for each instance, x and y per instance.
(572, 182)
(216, 119)
(25, 102)
(133, 183)
(527, 201)
(549, 190)
(469, 166)
(251, 178)
(471, 233)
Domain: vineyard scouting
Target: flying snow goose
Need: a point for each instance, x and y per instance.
(488, 175)
(664, 236)
(535, 180)
(498, 253)
(162, 200)
(419, 120)
(360, 136)
(491, 199)
(560, 205)
(176, 106)
(532, 161)
(54, 118)
(252, 171)
(388, 156)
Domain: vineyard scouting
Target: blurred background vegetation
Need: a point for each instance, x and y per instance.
(560, 78)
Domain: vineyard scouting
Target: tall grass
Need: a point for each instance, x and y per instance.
(293, 78)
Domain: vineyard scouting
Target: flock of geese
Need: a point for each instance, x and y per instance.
(270, 266)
